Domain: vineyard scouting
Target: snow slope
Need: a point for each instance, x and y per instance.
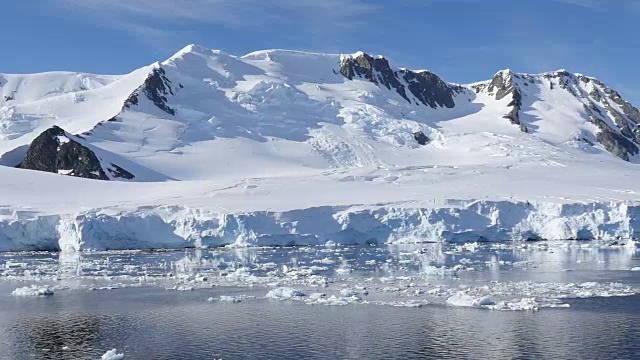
(284, 147)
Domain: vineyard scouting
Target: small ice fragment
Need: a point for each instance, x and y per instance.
(349, 292)
(635, 268)
(470, 247)
(284, 293)
(484, 301)
(462, 299)
(112, 355)
(33, 290)
(231, 299)
(316, 296)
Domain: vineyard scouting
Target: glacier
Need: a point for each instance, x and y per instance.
(281, 147)
(174, 227)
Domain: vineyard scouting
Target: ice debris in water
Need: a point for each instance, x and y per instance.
(465, 300)
(33, 290)
(231, 299)
(636, 269)
(285, 293)
(461, 299)
(409, 303)
(333, 300)
(349, 292)
(112, 355)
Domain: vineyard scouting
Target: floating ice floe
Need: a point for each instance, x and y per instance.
(112, 355)
(350, 292)
(464, 300)
(231, 299)
(181, 288)
(442, 271)
(285, 293)
(334, 300)
(33, 290)
(408, 303)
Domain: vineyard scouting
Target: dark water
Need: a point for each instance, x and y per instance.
(151, 323)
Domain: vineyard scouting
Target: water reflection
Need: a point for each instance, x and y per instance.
(153, 323)
(182, 325)
(55, 336)
(554, 261)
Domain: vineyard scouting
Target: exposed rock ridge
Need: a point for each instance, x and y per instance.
(502, 85)
(614, 142)
(617, 119)
(156, 88)
(423, 86)
(56, 151)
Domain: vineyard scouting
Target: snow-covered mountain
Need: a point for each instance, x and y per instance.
(279, 147)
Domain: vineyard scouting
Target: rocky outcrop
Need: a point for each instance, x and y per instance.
(421, 138)
(617, 120)
(56, 151)
(156, 88)
(421, 87)
(429, 89)
(614, 142)
(504, 85)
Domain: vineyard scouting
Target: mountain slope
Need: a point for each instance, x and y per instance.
(232, 149)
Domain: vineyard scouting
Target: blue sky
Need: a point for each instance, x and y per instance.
(461, 40)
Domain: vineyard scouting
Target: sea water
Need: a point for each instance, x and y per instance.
(561, 300)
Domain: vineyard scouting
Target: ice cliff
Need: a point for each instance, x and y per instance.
(180, 227)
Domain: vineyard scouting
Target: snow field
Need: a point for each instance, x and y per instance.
(278, 148)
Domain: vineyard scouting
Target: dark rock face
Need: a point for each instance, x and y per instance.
(615, 143)
(57, 152)
(156, 88)
(622, 138)
(421, 138)
(503, 85)
(427, 88)
(43, 152)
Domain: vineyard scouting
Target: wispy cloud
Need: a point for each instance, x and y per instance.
(225, 12)
(164, 23)
(605, 5)
(593, 4)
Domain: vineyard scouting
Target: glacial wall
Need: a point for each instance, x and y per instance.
(181, 227)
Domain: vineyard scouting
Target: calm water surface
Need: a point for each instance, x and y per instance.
(150, 322)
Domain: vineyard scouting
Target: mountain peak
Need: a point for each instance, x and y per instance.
(193, 50)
